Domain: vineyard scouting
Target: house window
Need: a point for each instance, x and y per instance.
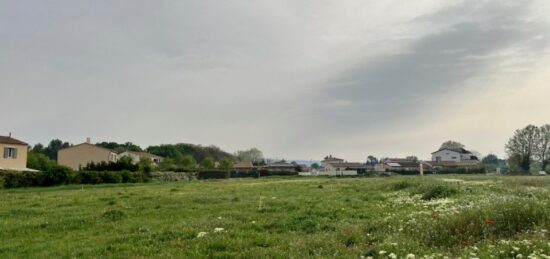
(10, 152)
(454, 157)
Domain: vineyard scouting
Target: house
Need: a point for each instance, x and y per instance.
(14, 154)
(330, 159)
(281, 166)
(454, 155)
(243, 166)
(344, 166)
(137, 156)
(79, 156)
(397, 164)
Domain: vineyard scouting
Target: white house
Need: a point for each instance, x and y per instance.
(454, 155)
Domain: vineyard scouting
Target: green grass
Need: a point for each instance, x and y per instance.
(454, 216)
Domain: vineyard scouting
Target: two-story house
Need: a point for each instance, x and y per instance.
(14, 152)
(79, 156)
(454, 155)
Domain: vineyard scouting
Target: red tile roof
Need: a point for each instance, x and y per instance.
(11, 141)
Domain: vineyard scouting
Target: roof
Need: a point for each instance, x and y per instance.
(458, 150)
(280, 164)
(346, 164)
(143, 154)
(89, 144)
(11, 141)
(243, 164)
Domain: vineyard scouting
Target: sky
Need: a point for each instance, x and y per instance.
(298, 79)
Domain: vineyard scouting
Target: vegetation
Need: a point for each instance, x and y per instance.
(397, 217)
(528, 145)
(187, 155)
(253, 155)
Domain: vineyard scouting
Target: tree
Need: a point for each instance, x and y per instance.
(54, 146)
(315, 166)
(119, 148)
(522, 147)
(208, 163)
(253, 155)
(490, 159)
(188, 162)
(38, 149)
(226, 164)
(412, 158)
(372, 160)
(543, 148)
(451, 144)
(166, 164)
(39, 161)
(145, 165)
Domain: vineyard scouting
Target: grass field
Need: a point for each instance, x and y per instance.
(396, 217)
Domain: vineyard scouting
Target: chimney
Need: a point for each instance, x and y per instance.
(88, 140)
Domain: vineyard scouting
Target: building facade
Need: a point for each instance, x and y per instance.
(79, 156)
(14, 154)
(453, 155)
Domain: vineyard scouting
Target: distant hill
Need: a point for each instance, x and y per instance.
(178, 151)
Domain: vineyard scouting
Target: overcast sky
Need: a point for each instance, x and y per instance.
(299, 79)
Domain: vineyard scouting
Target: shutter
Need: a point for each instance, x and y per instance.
(5, 152)
(15, 153)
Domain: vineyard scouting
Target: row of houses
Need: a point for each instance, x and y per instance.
(78, 156)
(444, 159)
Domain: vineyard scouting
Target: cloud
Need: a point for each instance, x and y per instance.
(298, 79)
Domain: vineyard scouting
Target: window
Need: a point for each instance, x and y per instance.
(454, 157)
(10, 152)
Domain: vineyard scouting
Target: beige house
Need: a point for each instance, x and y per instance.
(77, 157)
(14, 156)
(136, 156)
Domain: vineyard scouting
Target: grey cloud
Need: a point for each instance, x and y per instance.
(395, 86)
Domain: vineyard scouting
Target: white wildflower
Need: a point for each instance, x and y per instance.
(392, 256)
(410, 256)
(216, 230)
(201, 234)
(382, 252)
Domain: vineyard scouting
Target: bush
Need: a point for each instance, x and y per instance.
(213, 174)
(111, 177)
(57, 175)
(438, 192)
(502, 220)
(1, 182)
(14, 179)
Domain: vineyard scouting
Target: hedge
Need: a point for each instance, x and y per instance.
(62, 175)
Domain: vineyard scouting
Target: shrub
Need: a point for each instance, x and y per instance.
(113, 215)
(1, 182)
(504, 219)
(57, 175)
(89, 177)
(111, 177)
(213, 174)
(14, 179)
(401, 185)
(438, 192)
